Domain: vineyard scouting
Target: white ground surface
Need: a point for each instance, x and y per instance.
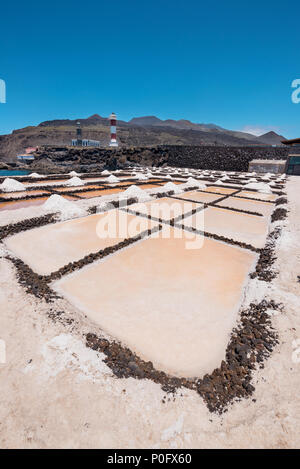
(55, 393)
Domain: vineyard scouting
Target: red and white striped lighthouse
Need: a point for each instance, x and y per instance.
(113, 130)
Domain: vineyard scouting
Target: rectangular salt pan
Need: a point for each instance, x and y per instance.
(250, 229)
(48, 248)
(170, 305)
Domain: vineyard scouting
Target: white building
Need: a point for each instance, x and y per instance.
(85, 143)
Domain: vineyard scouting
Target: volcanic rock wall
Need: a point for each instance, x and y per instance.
(220, 157)
(201, 157)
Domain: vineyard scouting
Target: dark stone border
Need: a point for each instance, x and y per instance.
(92, 257)
(174, 222)
(171, 221)
(263, 270)
(24, 225)
(55, 177)
(115, 203)
(251, 342)
(281, 200)
(254, 199)
(279, 214)
(33, 283)
(239, 210)
(25, 197)
(38, 285)
(219, 238)
(50, 190)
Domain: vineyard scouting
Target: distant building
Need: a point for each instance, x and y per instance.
(293, 161)
(267, 166)
(80, 142)
(85, 143)
(26, 157)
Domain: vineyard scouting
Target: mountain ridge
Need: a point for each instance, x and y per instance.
(138, 132)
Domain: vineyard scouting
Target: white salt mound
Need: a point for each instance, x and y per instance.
(169, 177)
(34, 175)
(252, 180)
(75, 181)
(112, 179)
(12, 185)
(141, 177)
(67, 209)
(73, 173)
(102, 207)
(170, 186)
(134, 191)
(259, 186)
(105, 173)
(194, 183)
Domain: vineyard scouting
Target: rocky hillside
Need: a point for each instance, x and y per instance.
(142, 131)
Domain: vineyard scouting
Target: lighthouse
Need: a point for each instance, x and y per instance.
(78, 133)
(113, 130)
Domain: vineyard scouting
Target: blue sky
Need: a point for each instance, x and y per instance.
(230, 63)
